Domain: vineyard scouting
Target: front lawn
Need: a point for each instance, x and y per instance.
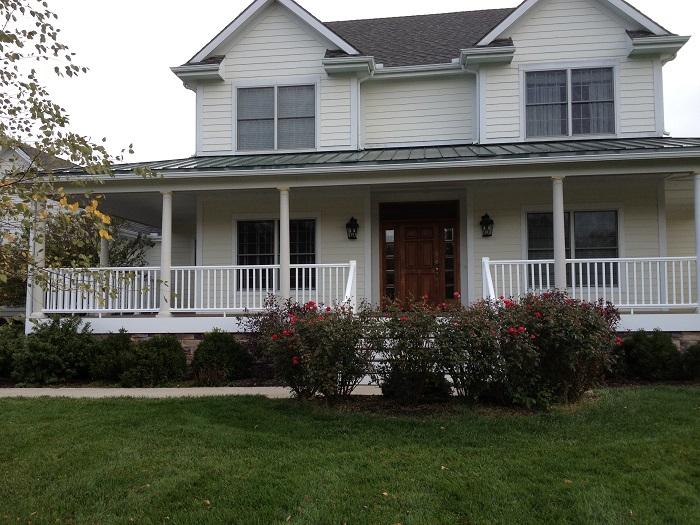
(630, 456)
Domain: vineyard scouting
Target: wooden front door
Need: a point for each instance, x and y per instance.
(419, 255)
(420, 258)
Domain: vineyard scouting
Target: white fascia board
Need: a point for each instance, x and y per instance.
(253, 9)
(620, 6)
(361, 64)
(658, 45)
(477, 56)
(198, 72)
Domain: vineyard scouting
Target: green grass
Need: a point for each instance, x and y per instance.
(631, 456)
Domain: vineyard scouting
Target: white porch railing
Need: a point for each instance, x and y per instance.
(98, 290)
(650, 283)
(193, 289)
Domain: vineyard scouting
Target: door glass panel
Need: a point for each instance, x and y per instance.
(450, 260)
(390, 264)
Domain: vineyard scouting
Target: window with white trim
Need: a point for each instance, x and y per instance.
(570, 102)
(589, 235)
(276, 118)
(259, 245)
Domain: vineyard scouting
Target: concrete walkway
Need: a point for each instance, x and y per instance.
(159, 393)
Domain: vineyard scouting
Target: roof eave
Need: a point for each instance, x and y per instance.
(356, 65)
(477, 56)
(665, 46)
(196, 72)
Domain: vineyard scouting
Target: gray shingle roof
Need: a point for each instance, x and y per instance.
(418, 40)
(689, 147)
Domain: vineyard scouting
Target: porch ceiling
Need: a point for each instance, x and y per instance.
(429, 156)
(146, 208)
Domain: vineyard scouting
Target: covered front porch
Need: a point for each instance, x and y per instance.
(622, 231)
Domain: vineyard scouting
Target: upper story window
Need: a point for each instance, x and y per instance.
(276, 118)
(570, 102)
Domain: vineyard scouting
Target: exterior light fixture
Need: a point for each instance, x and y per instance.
(486, 226)
(352, 228)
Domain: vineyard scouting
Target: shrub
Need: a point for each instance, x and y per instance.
(157, 360)
(649, 356)
(315, 350)
(11, 340)
(114, 355)
(555, 348)
(220, 359)
(691, 363)
(467, 345)
(408, 369)
(57, 351)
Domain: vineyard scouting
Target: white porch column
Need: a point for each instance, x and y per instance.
(104, 253)
(697, 237)
(559, 233)
(284, 244)
(166, 247)
(38, 254)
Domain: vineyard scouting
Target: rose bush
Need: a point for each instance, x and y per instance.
(315, 349)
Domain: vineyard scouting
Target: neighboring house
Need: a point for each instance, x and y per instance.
(482, 153)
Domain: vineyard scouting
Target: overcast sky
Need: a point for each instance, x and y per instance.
(130, 95)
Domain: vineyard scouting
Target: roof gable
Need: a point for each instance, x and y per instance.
(620, 6)
(256, 7)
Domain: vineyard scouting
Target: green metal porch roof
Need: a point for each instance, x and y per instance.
(432, 155)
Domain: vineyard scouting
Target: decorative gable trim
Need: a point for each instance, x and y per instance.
(257, 6)
(620, 6)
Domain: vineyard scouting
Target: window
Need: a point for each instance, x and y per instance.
(594, 235)
(258, 244)
(570, 102)
(276, 118)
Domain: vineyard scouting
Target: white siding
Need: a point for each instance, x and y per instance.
(418, 110)
(183, 247)
(680, 218)
(276, 47)
(330, 208)
(570, 32)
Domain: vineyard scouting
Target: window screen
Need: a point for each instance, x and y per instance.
(296, 117)
(256, 243)
(547, 104)
(593, 101)
(256, 119)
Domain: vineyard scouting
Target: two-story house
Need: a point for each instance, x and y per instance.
(458, 155)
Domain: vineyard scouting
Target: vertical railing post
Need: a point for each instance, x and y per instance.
(353, 284)
(285, 255)
(696, 178)
(559, 233)
(166, 254)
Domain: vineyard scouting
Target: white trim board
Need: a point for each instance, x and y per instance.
(619, 6)
(256, 7)
(235, 324)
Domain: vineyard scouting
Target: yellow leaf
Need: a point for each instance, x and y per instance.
(73, 207)
(105, 235)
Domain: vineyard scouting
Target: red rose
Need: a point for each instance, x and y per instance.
(328, 309)
(539, 315)
(287, 333)
(533, 337)
(295, 360)
(457, 295)
(619, 341)
(311, 305)
(275, 337)
(512, 331)
(522, 329)
(403, 319)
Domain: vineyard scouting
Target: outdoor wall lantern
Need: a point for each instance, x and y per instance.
(486, 226)
(352, 228)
